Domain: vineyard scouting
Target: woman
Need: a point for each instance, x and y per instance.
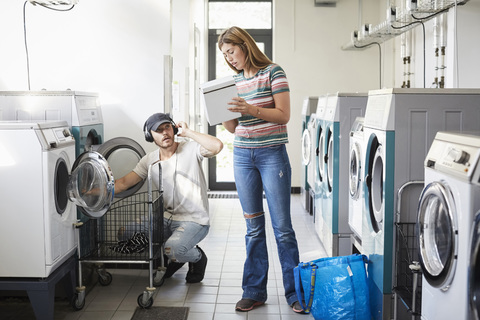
(260, 159)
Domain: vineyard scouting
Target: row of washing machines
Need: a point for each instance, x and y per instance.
(392, 174)
(43, 136)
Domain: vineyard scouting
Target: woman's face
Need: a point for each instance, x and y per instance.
(234, 55)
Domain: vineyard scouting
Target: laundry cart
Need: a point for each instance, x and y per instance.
(130, 232)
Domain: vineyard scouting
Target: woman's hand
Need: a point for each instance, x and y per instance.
(240, 105)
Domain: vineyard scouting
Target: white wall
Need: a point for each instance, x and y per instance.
(113, 47)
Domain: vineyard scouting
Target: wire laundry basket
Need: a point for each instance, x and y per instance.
(408, 281)
(121, 235)
(130, 232)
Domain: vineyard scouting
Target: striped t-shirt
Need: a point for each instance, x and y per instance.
(252, 132)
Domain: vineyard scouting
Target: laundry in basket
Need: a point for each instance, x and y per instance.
(334, 288)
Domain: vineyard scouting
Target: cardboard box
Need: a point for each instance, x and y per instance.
(216, 95)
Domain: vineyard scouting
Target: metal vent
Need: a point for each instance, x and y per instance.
(222, 195)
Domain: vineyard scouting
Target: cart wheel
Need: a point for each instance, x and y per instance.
(76, 303)
(105, 278)
(147, 305)
(159, 283)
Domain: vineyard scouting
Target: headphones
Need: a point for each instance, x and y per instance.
(148, 134)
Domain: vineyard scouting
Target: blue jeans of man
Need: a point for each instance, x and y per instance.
(181, 239)
(257, 170)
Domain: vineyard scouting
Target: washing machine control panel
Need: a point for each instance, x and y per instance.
(57, 137)
(454, 158)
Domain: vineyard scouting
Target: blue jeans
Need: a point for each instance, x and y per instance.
(181, 238)
(256, 170)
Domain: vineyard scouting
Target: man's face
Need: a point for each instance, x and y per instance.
(164, 136)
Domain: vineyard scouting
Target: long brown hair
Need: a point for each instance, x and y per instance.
(254, 58)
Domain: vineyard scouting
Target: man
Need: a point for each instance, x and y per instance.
(186, 217)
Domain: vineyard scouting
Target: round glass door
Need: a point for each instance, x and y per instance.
(60, 185)
(306, 147)
(330, 161)
(321, 155)
(474, 271)
(91, 185)
(354, 173)
(372, 190)
(377, 187)
(437, 235)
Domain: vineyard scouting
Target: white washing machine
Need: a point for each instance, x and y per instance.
(308, 108)
(446, 213)
(341, 111)
(400, 125)
(37, 217)
(319, 144)
(355, 183)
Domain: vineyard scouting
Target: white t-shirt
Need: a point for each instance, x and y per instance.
(183, 182)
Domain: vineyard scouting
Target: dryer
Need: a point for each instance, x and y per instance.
(355, 183)
(341, 111)
(446, 214)
(399, 126)
(308, 107)
(319, 164)
(37, 217)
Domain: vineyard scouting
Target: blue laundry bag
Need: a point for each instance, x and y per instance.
(334, 288)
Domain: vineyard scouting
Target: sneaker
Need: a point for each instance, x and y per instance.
(196, 271)
(172, 267)
(247, 305)
(297, 307)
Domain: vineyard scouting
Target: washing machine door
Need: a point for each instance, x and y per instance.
(306, 147)
(330, 158)
(374, 184)
(355, 170)
(321, 153)
(91, 185)
(474, 272)
(437, 235)
(122, 154)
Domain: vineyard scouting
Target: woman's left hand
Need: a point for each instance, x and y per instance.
(240, 105)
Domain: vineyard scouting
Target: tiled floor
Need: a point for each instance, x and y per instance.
(215, 297)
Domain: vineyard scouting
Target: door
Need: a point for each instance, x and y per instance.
(374, 184)
(354, 172)
(474, 272)
(306, 147)
(91, 184)
(437, 233)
